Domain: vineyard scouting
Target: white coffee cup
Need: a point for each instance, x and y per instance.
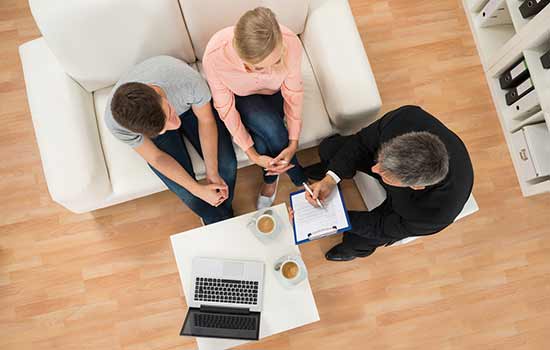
(290, 269)
(265, 224)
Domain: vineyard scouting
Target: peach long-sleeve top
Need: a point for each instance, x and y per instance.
(227, 77)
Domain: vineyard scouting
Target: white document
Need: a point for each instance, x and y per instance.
(311, 222)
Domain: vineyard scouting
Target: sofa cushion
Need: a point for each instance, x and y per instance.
(96, 41)
(206, 17)
(130, 174)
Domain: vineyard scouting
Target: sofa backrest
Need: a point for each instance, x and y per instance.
(205, 17)
(96, 41)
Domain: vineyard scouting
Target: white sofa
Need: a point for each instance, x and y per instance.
(87, 45)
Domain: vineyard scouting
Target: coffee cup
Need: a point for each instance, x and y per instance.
(290, 269)
(265, 224)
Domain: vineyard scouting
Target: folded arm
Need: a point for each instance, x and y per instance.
(166, 164)
(208, 135)
(359, 152)
(212, 194)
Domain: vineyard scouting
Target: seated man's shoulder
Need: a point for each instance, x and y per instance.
(404, 119)
(162, 69)
(411, 112)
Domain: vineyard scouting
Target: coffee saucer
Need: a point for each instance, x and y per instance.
(295, 281)
(262, 237)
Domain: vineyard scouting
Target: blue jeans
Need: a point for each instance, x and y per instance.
(172, 143)
(263, 117)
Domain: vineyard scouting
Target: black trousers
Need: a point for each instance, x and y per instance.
(355, 244)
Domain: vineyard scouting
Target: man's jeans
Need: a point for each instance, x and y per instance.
(172, 143)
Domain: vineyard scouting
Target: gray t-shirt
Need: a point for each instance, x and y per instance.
(182, 85)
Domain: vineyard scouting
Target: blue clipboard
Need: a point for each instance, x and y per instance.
(324, 233)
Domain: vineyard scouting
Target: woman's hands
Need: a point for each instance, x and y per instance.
(282, 161)
(277, 165)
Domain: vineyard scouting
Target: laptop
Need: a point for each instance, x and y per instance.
(226, 299)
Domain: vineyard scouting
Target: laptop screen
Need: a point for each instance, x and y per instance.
(222, 324)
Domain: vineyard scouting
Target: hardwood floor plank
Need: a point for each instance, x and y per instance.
(108, 279)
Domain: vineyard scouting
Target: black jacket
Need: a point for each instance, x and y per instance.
(407, 212)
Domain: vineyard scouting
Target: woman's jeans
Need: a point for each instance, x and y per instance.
(263, 117)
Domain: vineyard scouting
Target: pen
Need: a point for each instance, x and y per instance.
(311, 193)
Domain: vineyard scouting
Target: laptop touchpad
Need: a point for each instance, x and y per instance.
(233, 270)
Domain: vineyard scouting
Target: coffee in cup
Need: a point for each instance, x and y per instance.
(290, 269)
(265, 224)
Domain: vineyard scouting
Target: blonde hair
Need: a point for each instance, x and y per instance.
(257, 34)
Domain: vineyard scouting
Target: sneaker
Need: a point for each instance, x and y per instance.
(266, 202)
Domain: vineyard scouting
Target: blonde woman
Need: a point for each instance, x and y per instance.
(253, 70)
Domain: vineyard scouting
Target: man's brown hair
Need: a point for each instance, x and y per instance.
(138, 108)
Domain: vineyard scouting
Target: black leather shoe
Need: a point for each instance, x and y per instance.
(337, 253)
(315, 171)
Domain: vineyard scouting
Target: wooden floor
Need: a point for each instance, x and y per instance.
(108, 280)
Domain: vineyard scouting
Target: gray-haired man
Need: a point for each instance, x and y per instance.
(423, 166)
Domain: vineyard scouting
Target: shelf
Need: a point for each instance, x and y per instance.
(516, 113)
(536, 118)
(492, 40)
(530, 36)
(517, 18)
(528, 187)
(500, 47)
(509, 126)
(475, 6)
(539, 75)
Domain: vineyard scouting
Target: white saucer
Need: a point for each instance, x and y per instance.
(295, 281)
(262, 237)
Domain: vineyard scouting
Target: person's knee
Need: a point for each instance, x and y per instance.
(194, 203)
(215, 214)
(272, 129)
(227, 168)
(260, 146)
(329, 147)
(278, 142)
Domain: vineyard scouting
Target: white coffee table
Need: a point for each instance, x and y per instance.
(283, 308)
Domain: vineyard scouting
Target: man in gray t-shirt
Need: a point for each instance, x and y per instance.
(151, 108)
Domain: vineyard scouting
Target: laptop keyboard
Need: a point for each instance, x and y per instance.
(224, 321)
(226, 291)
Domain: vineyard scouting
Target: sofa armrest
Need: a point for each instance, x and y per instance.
(341, 66)
(66, 130)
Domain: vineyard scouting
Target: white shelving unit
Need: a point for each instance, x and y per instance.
(500, 47)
